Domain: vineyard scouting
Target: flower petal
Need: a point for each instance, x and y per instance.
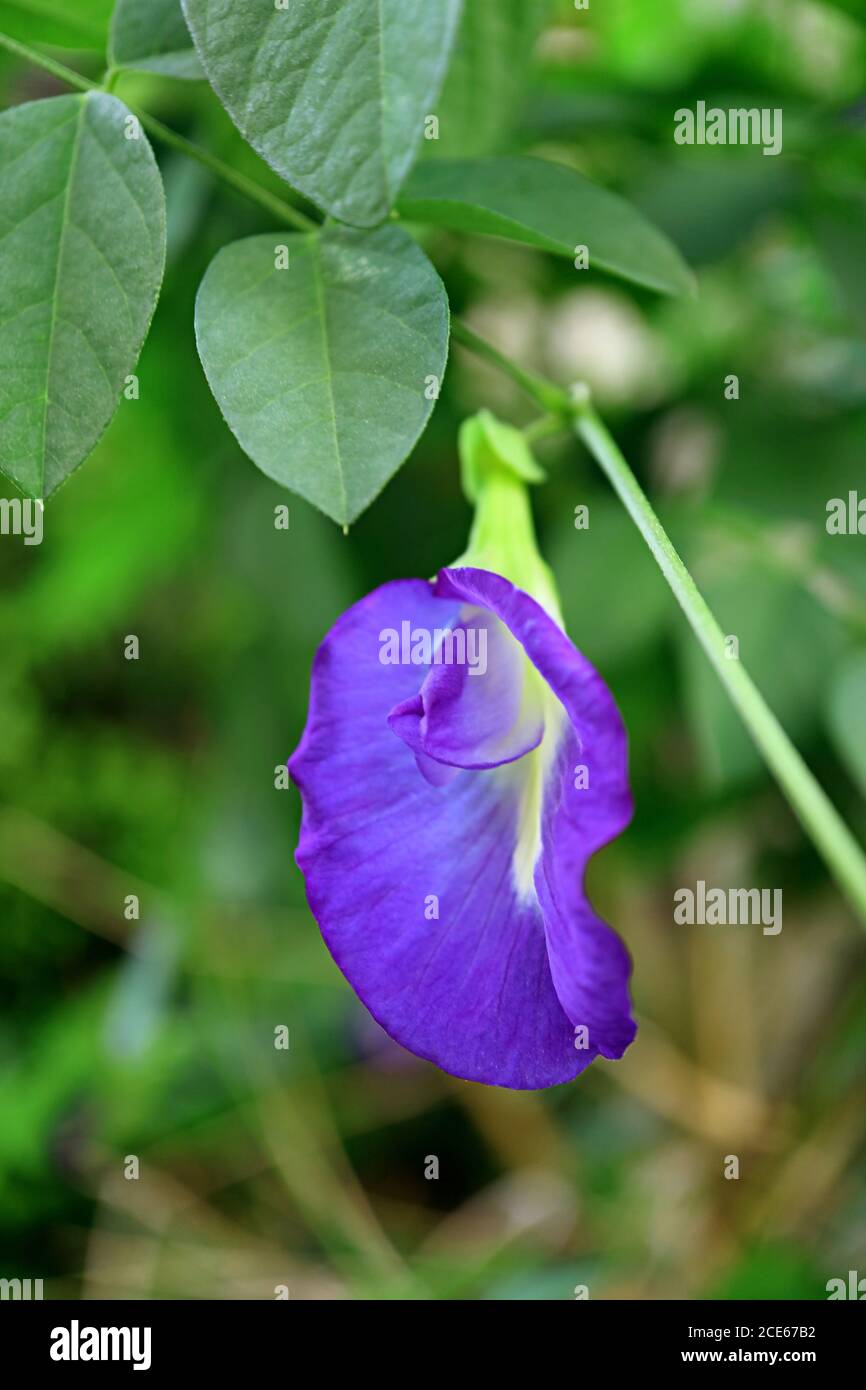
(473, 714)
(414, 885)
(589, 964)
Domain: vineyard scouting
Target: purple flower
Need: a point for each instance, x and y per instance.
(460, 764)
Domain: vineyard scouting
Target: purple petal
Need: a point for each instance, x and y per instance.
(469, 715)
(493, 987)
(589, 964)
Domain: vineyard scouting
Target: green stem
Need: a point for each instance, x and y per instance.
(544, 427)
(248, 188)
(817, 813)
(551, 398)
(42, 60)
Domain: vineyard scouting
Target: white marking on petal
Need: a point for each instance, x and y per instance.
(530, 776)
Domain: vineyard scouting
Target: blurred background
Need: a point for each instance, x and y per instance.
(154, 1037)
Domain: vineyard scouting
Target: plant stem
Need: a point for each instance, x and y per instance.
(248, 188)
(821, 820)
(551, 398)
(42, 60)
(544, 426)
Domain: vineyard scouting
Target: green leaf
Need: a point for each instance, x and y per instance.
(332, 93)
(66, 23)
(847, 716)
(82, 249)
(153, 37)
(323, 370)
(487, 75)
(547, 206)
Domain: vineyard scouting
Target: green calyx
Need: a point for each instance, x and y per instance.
(496, 464)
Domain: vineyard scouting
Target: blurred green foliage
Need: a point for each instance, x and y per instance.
(154, 1037)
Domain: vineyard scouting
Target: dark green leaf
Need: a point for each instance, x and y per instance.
(325, 371)
(547, 206)
(82, 248)
(332, 93)
(153, 37)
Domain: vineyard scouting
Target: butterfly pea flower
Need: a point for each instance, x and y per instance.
(460, 764)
